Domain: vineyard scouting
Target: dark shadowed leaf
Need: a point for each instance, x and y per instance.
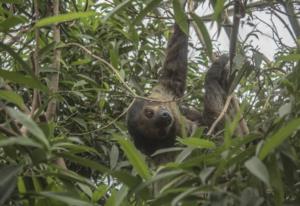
(8, 181)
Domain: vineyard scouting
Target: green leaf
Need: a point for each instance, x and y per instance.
(24, 141)
(134, 156)
(8, 181)
(218, 8)
(11, 22)
(85, 162)
(290, 58)
(64, 17)
(99, 192)
(150, 6)
(17, 57)
(197, 142)
(30, 125)
(12, 97)
(65, 198)
(117, 9)
(276, 180)
(204, 33)
(278, 137)
(180, 16)
(258, 169)
(159, 177)
(19, 78)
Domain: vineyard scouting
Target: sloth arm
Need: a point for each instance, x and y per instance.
(174, 71)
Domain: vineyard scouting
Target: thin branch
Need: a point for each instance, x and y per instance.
(109, 124)
(105, 63)
(54, 79)
(8, 132)
(294, 21)
(36, 66)
(221, 115)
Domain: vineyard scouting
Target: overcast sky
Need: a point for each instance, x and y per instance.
(265, 43)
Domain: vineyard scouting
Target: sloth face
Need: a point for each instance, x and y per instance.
(151, 123)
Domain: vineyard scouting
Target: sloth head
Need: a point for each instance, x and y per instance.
(152, 125)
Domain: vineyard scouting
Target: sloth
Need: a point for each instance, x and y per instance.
(155, 122)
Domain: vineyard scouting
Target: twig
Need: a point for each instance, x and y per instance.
(8, 132)
(110, 123)
(106, 63)
(36, 66)
(221, 115)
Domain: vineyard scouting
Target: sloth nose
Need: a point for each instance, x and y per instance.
(165, 117)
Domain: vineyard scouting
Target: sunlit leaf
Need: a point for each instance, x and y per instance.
(290, 58)
(218, 8)
(64, 17)
(197, 142)
(12, 97)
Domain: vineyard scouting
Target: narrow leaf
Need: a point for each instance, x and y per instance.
(276, 139)
(218, 8)
(204, 33)
(150, 6)
(24, 141)
(117, 9)
(64, 17)
(16, 56)
(65, 198)
(8, 181)
(19, 78)
(134, 157)
(85, 162)
(30, 125)
(290, 58)
(180, 16)
(12, 97)
(258, 169)
(197, 142)
(11, 22)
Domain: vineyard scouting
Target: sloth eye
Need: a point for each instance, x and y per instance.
(148, 113)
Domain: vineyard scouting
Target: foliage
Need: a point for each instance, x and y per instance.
(127, 41)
